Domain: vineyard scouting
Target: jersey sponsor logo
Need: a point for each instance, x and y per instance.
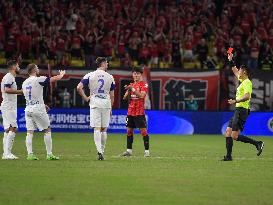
(270, 124)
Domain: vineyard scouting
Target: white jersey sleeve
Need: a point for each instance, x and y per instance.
(43, 80)
(8, 81)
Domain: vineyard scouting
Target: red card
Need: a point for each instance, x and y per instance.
(229, 51)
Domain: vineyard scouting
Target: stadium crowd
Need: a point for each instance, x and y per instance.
(160, 33)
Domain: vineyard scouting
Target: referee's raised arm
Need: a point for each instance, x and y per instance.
(232, 64)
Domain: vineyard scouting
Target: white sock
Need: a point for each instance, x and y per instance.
(147, 152)
(48, 142)
(9, 142)
(103, 140)
(29, 143)
(97, 140)
(5, 143)
(130, 151)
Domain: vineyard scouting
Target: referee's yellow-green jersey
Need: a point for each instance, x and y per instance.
(244, 87)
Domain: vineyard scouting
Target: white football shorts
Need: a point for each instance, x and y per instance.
(100, 117)
(9, 118)
(37, 120)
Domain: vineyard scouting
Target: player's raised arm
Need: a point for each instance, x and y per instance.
(81, 91)
(233, 66)
(57, 77)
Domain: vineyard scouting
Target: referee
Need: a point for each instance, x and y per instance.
(242, 101)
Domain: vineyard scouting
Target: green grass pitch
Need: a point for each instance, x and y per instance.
(182, 170)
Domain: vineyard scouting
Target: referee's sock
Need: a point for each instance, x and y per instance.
(246, 139)
(229, 145)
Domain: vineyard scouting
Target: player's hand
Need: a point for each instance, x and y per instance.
(128, 87)
(231, 101)
(62, 73)
(230, 56)
(87, 99)
(47, 108)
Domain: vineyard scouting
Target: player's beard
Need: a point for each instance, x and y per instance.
(17, 72)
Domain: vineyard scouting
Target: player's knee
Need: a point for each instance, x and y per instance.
(144, 132)
(228, 132)
(234, 135)
(13, 129)
(103, 129)
(130, 132)
(47, 130)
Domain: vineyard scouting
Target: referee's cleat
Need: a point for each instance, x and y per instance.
(52, 157)
(100, 156)
(126, 154)
(227, 158)
(260, 147)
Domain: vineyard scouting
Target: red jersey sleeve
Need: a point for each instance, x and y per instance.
(144, 87)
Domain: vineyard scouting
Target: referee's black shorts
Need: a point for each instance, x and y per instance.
(138, 121)
(239, 118)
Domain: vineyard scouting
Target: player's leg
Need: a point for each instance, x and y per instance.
(141, 123)
(229, 144)
(30, 125)
(146, 140)
(229, 141)
(242, 138)
(4, 143)
(130, 124)
(105, 123)
(10, 126)
(42, 122)
(95, 122)
(30, 154)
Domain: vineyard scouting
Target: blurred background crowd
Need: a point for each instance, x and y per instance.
(158, 33)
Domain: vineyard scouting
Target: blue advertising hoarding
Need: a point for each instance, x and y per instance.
(159, 122)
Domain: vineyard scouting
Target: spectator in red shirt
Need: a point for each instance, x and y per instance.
(144, 53)
(61, 46)
(188, 48)
(253, 43)
(10, 47)
(24, 44)
(76, 43)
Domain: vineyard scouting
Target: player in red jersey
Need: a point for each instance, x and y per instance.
(135, 94)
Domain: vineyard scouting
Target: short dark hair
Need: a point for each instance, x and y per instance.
(11, 63)
(31, 67)
(100, 60)
(245, 68)
(137, 69)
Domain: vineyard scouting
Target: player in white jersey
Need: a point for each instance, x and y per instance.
(9, 108)
(101, 85)
(35, 112)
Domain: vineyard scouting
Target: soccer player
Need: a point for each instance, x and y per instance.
(135, 94)
(9, 108)
(101, 85)
(36, 110)
(242, 101)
